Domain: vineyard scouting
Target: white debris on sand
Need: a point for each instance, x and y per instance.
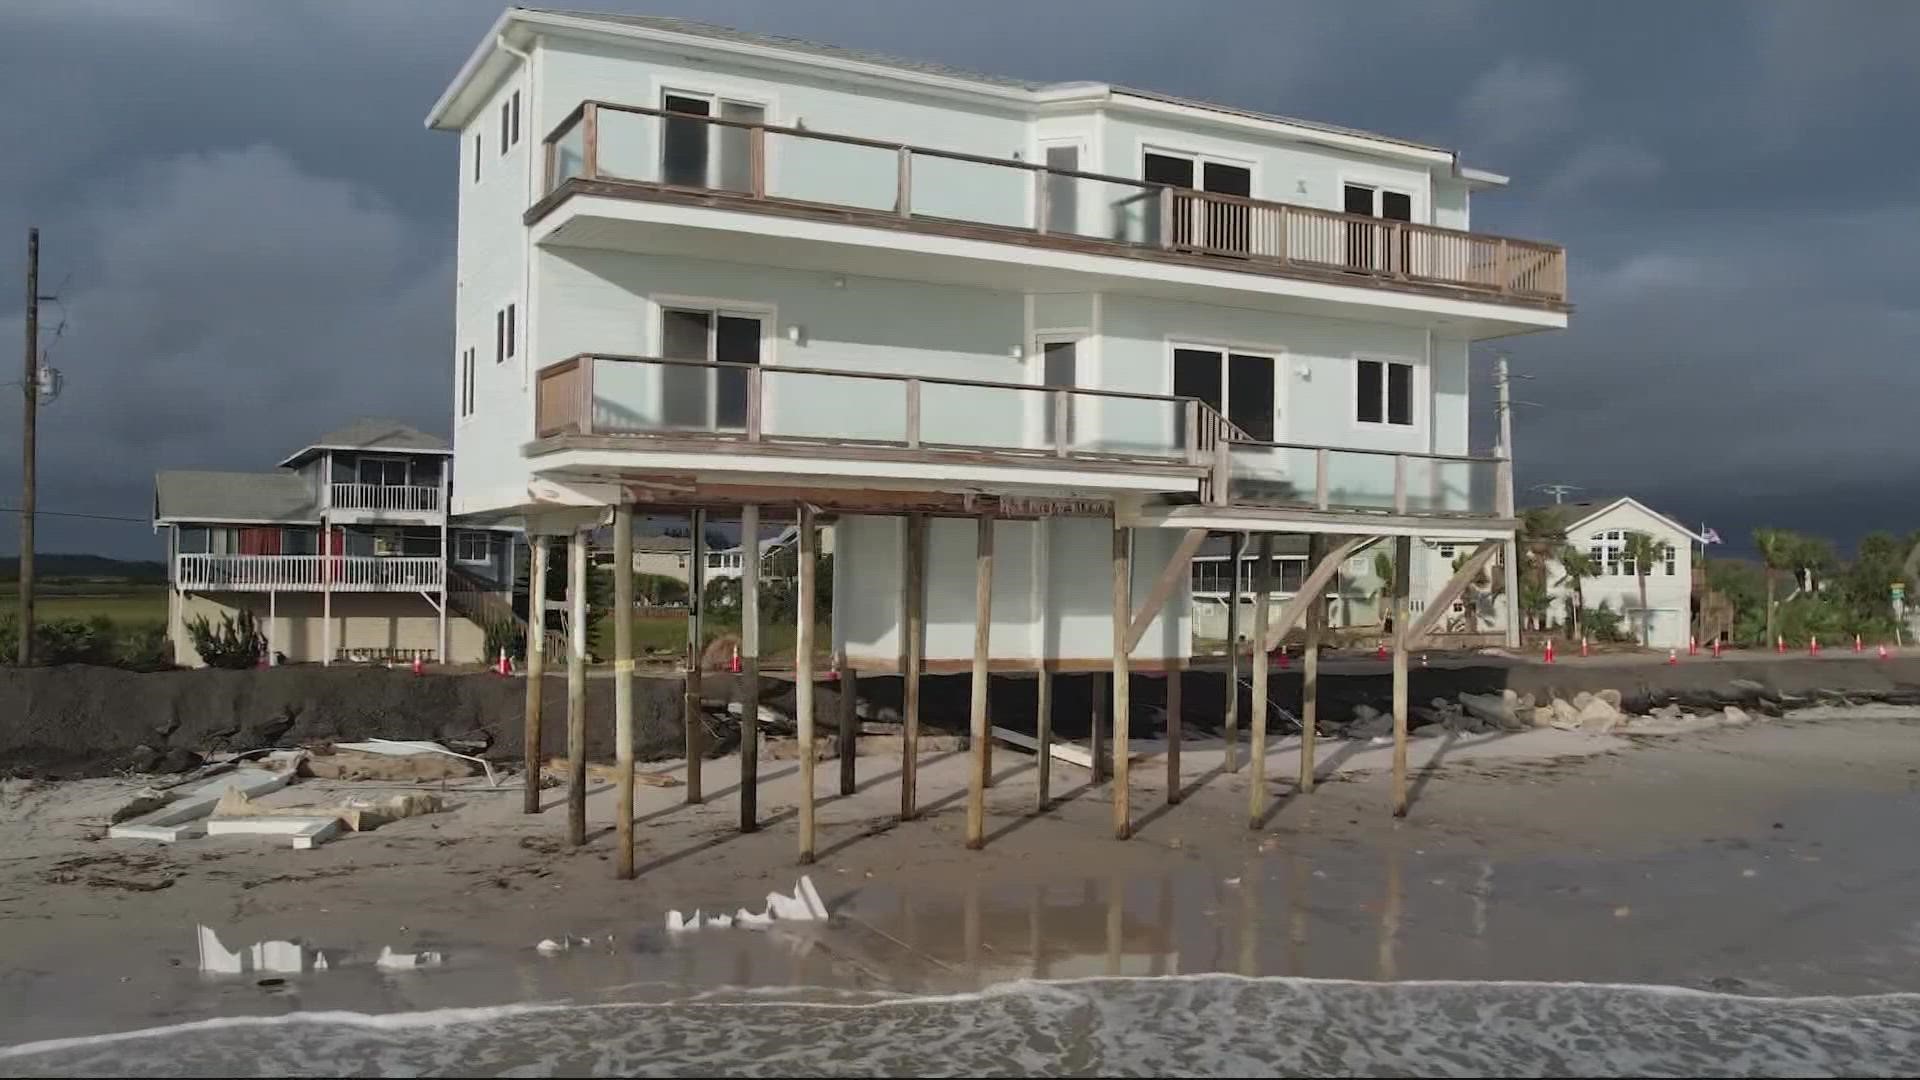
(406, 961)
(804, 905)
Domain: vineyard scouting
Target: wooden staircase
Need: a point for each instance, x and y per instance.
(482, 602)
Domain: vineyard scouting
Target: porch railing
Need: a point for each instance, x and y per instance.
(1383, 481)
(406, 498)
(841, 411)
(602, 141)
(755, 404)
(298, 573)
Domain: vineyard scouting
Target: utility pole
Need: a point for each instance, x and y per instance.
(1511, 557)
(30, 406)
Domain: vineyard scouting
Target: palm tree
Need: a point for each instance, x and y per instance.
(1382, 569)
(1642, 550)
(1577, 566)
(1778, 550)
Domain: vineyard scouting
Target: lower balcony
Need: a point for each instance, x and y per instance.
(827, 427)
(306, 573)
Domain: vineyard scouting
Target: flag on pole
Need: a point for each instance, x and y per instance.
(1708, 536)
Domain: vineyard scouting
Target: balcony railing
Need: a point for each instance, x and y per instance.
(829, 412)
(890, 183)
(306, 573)
(1321, 478)
(817, 407)
(404, 498)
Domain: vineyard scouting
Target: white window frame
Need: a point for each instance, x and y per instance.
(768, 314)
(1040, 148)
(715, 93)
(1416, 389)
(463, 536)
(1421, 209)
(1143, 146)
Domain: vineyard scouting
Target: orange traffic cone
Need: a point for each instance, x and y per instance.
(1285, 660)
(1780, 644)
(418, 667)
(1381, 652)
(733, 665)
(1883, 651)
(1583, 644)
(1857, 646)
(1549, 650)
(1716, 648)
(1673, 657)
(1813, 645)
(1693, 645)
(506, 665)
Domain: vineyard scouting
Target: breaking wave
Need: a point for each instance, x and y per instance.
(1208, 1025)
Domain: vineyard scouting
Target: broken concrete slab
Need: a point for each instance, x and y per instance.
(415, 748)
(180, 818)
(390, 960)
(1070, 753)
(304, 832)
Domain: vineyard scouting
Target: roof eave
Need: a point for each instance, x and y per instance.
(304, 453)
(439, 116)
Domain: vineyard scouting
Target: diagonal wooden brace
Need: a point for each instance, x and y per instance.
(1312, 589)
(1170, 578)
(1457, 584)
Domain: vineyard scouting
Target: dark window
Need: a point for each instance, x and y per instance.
(1063, 192)
(1176, 172)
(476, 158)
(1396, 206)
(735, 172)
(1167, 169)
(1358, 200)
(1228, 224)
(1196, 374)
(499, 335)
(1367, 405)
(1059, 368)
(516, 118)
(706, 398)
(1383, 392)
(683, 145)
(1250, 395)
(1399, 393)
(506, 126)
(510, 329)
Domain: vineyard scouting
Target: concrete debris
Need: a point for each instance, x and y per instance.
(279, 957)
(304, 832)
(803, 906)
(1373, 727)
(1070, 753)
(359, 765)
(414, 748)
(182, 817)
(1494, 710)
(1736, 715)
(144, 801)
(1363, 713)
(1580, 700)
(1610, 696)
(406, 961)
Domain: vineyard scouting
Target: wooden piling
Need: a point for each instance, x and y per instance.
(1175, 676)
(977, 729)
(1122, 678)
(577, 688)
(803, 679)
(1402, 560)
(1262, 669)
(1310, 669)
(623, 685)
(536, 666)
(690, 715)
(1237, 548)
(747, 682)
(1096, 725)
(849, 721)
(1043, 735)
(913, 604)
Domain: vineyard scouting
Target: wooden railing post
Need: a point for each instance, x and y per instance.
(756, 401)
(1166, 217)
(1399, 483)
(590, 140)
(1500, 268)
(1062, 403)
(903, 197)
(1040, 177)
(913, 414)
(1282, 242)
(585, 375)
(1190, 438)
(1320, 472)
(757, 158)
(1222, 475)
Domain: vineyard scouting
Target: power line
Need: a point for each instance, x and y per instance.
(37, 512)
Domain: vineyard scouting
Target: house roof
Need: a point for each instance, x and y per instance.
(373, 433)
(662, 543)
(1577, 513)
(1030, 92)
(271, 498)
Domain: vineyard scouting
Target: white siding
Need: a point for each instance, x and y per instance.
(1669, 598)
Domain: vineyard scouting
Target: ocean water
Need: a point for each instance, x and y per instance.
(1206, 1025)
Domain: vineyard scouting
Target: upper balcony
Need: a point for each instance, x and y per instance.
(635, 154)
(353, 502)
(707, 428)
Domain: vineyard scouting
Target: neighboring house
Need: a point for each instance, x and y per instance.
(665, 556)
(381, 586)
(702, 269)
(1600, 528)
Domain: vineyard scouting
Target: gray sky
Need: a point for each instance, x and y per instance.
(252, 234)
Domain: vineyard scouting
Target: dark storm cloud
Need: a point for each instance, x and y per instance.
(255, 233)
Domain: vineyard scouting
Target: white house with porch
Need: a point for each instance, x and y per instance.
(344, 552)
(1600, 528)
(1027, 344)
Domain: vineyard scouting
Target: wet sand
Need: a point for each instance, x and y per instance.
(1771, 859)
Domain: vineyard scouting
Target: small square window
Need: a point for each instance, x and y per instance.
(510, 329)
(499, 335)
(516, 118)
(476, 158)
(1383, 392)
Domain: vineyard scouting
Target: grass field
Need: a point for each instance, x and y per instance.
(123, 602)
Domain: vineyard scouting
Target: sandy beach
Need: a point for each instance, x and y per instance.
(1767, 860)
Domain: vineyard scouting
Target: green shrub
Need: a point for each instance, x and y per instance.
(142, 647)
(505, 634)
(235, 644)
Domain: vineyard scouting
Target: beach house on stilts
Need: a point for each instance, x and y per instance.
(1027, 344)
